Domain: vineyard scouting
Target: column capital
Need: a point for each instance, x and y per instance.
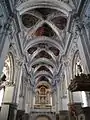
(19, 62)
(9, 83)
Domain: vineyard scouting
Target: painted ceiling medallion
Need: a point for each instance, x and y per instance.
(60, 22)
(45, 12)
(29, 20)
(44, 30)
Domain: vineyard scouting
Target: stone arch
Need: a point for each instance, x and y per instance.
(37, 80)
(13, 52)
(42, 117)
(8, 68)
(7, 75)
(43, 73)
(41, 60)
(29, 5)
(49, 115)
(43, 39)
(48, 67)
(75, 61)
(77, 69)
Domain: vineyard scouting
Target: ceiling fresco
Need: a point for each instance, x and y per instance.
(44, 32)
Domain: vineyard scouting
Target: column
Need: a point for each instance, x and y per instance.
(68, 76)
(18, 100)
(58, 96)
(54, 100)
(8, 110)
(57, 99)
(27, 105)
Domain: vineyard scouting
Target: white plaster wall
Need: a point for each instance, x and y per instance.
(77, 97)
(64, 104)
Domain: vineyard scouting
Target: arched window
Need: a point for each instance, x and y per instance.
(77, 65)
(8, 68)
(6, 76)
(78, 70)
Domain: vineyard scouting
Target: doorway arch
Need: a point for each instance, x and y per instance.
(42, 117)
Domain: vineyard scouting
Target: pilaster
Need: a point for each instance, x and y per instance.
(58, 96)
(8, 110)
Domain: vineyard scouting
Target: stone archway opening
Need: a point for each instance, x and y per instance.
(43, 118)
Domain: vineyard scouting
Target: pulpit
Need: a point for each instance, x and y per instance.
(80, 83)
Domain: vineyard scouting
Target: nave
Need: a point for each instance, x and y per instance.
(44, 59)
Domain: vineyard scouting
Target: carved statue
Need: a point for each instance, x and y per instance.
(78, 68)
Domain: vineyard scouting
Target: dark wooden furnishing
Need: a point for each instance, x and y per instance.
(80, 83)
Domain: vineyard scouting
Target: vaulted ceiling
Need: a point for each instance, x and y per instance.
(44, 26)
